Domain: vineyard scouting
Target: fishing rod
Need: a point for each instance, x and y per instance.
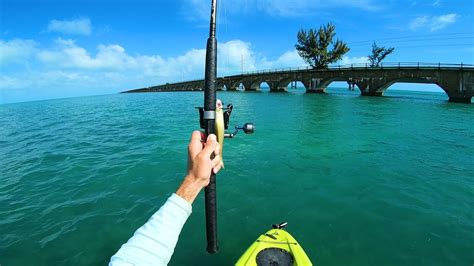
(207, 119)
(209, 116)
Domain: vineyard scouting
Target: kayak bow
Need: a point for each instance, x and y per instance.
(275, 247)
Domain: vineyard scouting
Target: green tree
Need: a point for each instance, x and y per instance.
(313, 46)
(379, 54)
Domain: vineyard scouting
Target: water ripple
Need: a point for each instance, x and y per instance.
(348, 173)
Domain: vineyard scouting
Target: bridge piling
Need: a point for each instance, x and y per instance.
(371, 86)
(274, 86)
(315, 85)
(459, 87)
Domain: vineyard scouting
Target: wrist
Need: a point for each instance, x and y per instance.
(189, 189)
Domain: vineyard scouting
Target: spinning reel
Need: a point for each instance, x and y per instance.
(247, 128)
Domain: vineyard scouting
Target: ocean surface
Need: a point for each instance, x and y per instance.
(360, 180)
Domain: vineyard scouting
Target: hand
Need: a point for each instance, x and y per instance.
(200, 165)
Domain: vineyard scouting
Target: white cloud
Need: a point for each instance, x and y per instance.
(290, 59)
(232, 53)
(16, 51)
(443, 21)
(68, 55)
(11, 82)
(80, 26)
(418, 22)
(346, 60)
(67, 67)
(433, 23)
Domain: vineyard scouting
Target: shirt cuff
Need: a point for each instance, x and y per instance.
(182, 203)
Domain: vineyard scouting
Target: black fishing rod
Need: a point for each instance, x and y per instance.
(207, 120)
(209, 116)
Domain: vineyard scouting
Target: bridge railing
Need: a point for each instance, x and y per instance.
(389, 65)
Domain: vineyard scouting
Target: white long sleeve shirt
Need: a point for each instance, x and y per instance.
(154, 242)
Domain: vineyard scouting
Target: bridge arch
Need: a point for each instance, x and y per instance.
(285, 82)
(424, 91)
(252, 85)
(265, 86)
(346, 87)
(226, 85)
(238, 85)
(233, 85)
(321, 85)
(256, 85)
(326, 82)
(220, 86)
(296, 87)
(386, 85)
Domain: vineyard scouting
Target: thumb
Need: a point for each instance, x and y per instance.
(210, 145)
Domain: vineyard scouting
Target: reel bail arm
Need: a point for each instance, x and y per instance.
(248, 128)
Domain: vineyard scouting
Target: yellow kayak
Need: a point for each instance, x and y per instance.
(275, 247)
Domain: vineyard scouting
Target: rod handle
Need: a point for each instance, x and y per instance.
(211, 215)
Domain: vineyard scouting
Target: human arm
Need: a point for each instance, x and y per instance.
(154, 242)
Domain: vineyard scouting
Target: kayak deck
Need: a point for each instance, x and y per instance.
(276, 247)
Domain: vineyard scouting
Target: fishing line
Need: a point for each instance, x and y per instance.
(225, 52)
(227, 57)
(222, 32)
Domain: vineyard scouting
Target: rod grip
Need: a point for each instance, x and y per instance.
(210, 76)
(211, 215)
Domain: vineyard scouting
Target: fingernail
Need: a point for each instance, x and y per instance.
(212, 137)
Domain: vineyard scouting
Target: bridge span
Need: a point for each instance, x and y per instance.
(457, 80)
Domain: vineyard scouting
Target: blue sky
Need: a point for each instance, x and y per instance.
(54, 49)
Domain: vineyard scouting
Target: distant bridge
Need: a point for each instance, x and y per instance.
(457, 80)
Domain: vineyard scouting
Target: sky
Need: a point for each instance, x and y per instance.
(56, 49)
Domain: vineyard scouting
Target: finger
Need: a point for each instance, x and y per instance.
(195, 144)
(210, 145)
(217, 168)
(216, 161)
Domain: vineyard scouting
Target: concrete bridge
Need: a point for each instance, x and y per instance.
(456, 80)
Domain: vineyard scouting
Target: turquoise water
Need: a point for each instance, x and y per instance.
(361, 180)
